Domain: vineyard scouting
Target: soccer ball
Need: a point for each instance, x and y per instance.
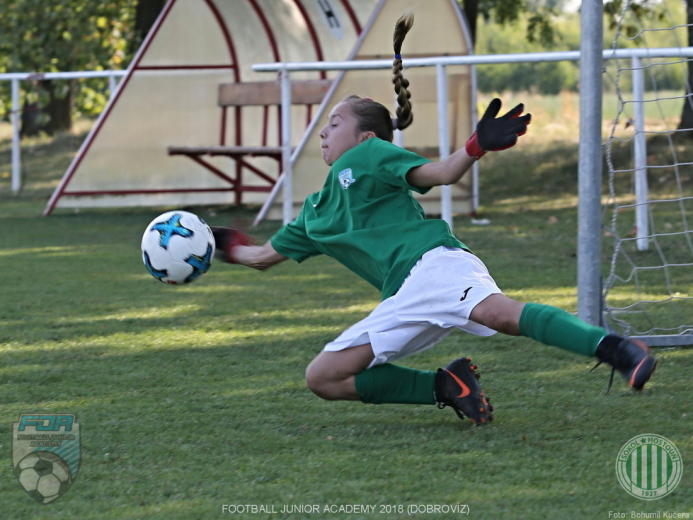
(44, 475)
(177, 247)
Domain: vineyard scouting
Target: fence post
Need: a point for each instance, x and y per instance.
(288, 209)
(590, 163)
(16, 150)
(474, 120)
(112, 85)
(443, 140)
(640, 157)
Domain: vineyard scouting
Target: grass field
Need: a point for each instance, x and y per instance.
(193, 397)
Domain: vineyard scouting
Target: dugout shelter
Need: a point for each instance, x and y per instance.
(192, 124)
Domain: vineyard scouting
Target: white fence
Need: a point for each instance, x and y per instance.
(15, 78)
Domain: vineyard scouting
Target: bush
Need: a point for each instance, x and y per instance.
(543, 78)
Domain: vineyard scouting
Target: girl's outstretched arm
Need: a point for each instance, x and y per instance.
(257, 257)
(236, 247)
(492, 134)
(441, 173)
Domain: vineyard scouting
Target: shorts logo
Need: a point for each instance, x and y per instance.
(649, 466)
(346, 178)
(464, 296)
(46, 454)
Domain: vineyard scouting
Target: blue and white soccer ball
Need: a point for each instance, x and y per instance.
(177, 247)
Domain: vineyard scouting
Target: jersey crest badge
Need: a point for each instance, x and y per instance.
(346, 178)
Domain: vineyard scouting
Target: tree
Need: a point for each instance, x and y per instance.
(540, 15)
(649, 8)
(62, 35)
(146, 13)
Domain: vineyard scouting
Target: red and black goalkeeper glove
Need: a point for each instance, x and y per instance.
(226, 239)
(494, 134)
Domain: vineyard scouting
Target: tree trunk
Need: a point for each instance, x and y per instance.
(471, 11)
(687, 112)
(58, 109)
(29, 119)
(51, 117)
(146, 14)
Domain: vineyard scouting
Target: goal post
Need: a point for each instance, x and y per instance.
(590, 164)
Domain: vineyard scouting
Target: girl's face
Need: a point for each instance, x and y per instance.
(340, 133)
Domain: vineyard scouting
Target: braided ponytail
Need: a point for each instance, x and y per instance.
(375, 117)
(404, 115)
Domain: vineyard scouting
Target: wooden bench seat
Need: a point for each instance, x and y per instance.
(253, 151)
(260, 93)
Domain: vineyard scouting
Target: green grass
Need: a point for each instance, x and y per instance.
(193, 397)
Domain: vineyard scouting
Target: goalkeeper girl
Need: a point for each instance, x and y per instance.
(366, 218)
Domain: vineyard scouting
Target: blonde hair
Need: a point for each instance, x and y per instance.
(375, 117)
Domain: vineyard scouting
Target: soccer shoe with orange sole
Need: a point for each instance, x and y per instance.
(631, 357)
(457, 386)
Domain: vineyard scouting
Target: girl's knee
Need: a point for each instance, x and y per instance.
(323, 389)
(331, 374)
(500, 313)
(318, 383)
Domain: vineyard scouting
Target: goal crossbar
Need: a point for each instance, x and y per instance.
(479, 59)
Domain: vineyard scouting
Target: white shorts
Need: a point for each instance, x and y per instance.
(437, 296)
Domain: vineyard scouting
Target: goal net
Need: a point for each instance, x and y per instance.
(648, 216)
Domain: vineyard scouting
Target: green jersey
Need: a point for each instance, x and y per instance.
(366, 217)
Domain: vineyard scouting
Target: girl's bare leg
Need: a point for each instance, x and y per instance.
(498, 312)
(331, 374)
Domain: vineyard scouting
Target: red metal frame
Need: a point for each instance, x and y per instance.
(238, 157)
(227, 37)
(222, 139)
(155, 192)
(236, 184)
(92, 135)
(186, 67)
(313, 35)
(352, 16)
(268, 29)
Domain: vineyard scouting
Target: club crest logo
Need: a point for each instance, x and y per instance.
(346, 178)
(649, 466)
(46, 454)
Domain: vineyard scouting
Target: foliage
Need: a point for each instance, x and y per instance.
(64, 35)
(546, 78)
(540, 16)
(642, 27)
(507, 38)
(641, 11)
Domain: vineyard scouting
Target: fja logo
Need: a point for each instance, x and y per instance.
(46, 452)
(649, 466)
(346, 178)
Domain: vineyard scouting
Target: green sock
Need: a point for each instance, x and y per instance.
(558, 328)
(394, 384)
